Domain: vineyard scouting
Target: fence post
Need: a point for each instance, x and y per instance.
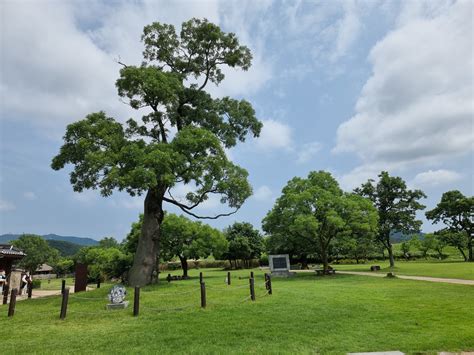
(200, 277)
(252, 289)
(6, 289)
(168, 278)
(63, 286)
(203, 294)
(30, 289)
(11, 307)
(136, 301)
(62, 315)
(251, 274)
(269, 283)
(228, 277)
(98, 282)
(266, 281)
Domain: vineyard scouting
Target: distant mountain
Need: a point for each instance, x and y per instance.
(398, 237)
(64, 248)
(82, 241)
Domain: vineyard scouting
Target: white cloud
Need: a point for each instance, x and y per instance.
(263, 193)
(29, 195)
(6, 206)
(432, 178)
(274, 135)
(417, 107)
(308, 151)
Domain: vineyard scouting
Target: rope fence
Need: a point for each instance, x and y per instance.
(71, 303)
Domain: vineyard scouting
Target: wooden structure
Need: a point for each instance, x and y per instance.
(8, 256)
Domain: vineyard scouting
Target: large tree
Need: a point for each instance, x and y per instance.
(37, 252)
(396, 205)
(180, 138)
(455, 210)
(318, 212)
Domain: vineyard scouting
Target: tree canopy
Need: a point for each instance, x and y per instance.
(313, 212)
(180, 138)
(396, 205)
(245, 243)
(37, 251)
(455, 211)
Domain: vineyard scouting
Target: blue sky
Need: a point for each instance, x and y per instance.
(352, 87)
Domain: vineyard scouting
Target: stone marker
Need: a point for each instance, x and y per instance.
(117, 298)
(280, 265)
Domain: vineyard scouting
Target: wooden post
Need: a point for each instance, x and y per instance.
(228, 277)
(6, 289)
(30, 289)
(63, 286)
(62, 315)
(168, 278)
(200, 277)
(252, 289)
(136, 301)
(266, 281)
(251, 274)
(203, 294)
(11, 307)
(269, 283)
(98, 282)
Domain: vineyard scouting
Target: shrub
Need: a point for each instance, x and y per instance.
(36, 284)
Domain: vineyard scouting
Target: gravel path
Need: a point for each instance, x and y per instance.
(418, 278)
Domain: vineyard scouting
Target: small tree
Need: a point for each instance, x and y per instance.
(143, 156)
(455, 239)
(245, 243)
(456, 210)
(37, 251)
(396, 205)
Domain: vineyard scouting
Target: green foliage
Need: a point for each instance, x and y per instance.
(396, 205)
(245, 243)
(63, 266)
(142, 157)
(109, 242)
(458, 240)
(313, 213)
(455, 211)
(37, 252)
(65, 248)
(35, 283)
(104, 263)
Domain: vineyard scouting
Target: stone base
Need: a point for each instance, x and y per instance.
(283, 274)
(122, 305)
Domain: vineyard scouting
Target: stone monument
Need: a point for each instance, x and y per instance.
(280, 265)
(117, 298)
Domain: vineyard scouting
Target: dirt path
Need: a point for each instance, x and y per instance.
(44, 293)
(405, 277)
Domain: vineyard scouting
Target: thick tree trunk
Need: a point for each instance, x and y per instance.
(184, 265)
(146, 256)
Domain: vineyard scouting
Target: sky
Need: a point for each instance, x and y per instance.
(350, 87)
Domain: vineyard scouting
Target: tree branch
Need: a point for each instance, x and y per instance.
(185, 209)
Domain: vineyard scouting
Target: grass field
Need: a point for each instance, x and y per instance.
(306, 314)
(456, 270)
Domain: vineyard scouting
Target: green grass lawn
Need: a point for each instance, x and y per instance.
(55, 284)
(305, 314)
(457, 270)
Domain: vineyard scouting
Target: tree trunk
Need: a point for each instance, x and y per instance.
(184, 265)
(324, 257)
(146, 256)
(461, 250)
(469, 245)
(390, 255)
